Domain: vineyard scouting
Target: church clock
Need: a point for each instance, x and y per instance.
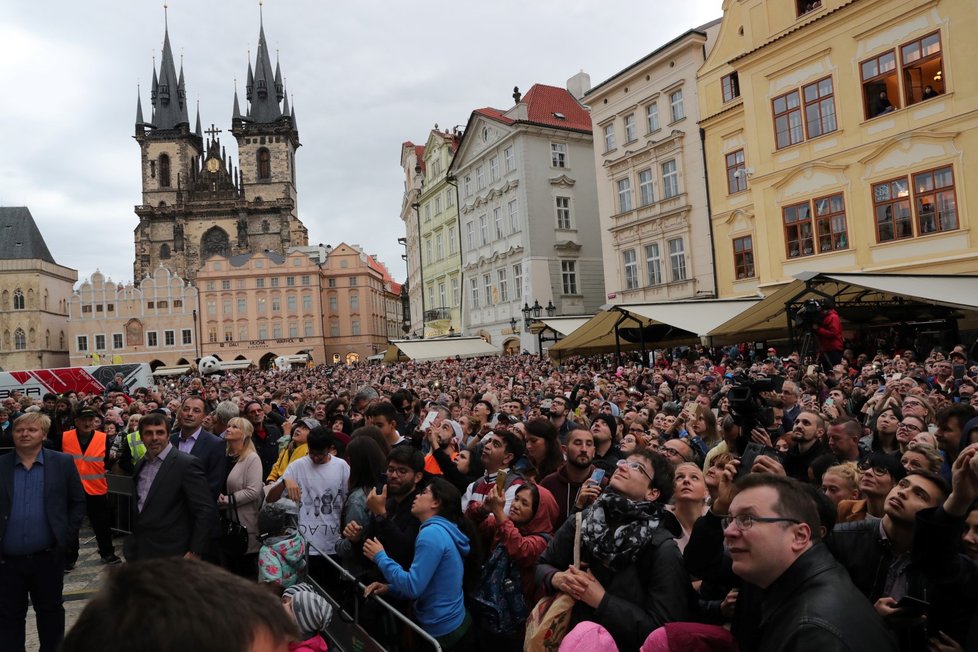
(213, 165)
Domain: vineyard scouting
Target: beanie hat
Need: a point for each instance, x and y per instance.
(608, 419)
(588, 637)
(312, 611)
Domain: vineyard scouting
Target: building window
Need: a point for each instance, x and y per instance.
(331, 282)
(670, 179)
(307, 330)
(805, 6)
(259, 282)
(427, 212)
(731, 87)
(264, 164)
(225, 285)
(475, 293)
(334, 330)
(510, 158)
(819, 107)
(186, 336)
(798, 235)
(652, 117)
(226, 305)
(563, 213)
(609, 137)
(484, 229)
(467, 185)
(503, 289)
(291, 303)
(676, 105)
(293, 329)
(568, 276)
(787, 119)
(274, 281)
(99, 342)
(306, 302)
(164, 171)
(276, 304)
(355, 327)
(290, 280)
(450, 197)
(487, 286)
(262, 305)
(353, 281)
(152, 339)
(452, 240)
(277, 330)
(880, 84)
(677, 259)
(497, 218)
(19, 299)
(82, 342)
(923, 68)
(934, 203)
(441, 295)
(558, 155)
(514, 217)
(830, 223)
(427, 250)
(653, 264)
(743, 257)
(518, 280)
(169, 338)
(480, 178)
(631, 133)
(469, 236)
(493, 169)
(211, 308)
(736, 175)
(631, 269)
(454, 291)
(354, 302)
(645, 193)
(212, 334)
(624, 195)
(117, 342)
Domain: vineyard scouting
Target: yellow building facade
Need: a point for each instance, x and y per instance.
(836, 136)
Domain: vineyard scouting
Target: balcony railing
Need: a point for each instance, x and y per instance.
(437, 313)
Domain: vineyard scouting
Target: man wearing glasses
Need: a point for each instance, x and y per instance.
(772, 533)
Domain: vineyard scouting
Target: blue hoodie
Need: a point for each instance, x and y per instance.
(434, 580)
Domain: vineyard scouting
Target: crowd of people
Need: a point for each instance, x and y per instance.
(735, 498)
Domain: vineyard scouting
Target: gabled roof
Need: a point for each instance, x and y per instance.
(545, 103)
(20, 239)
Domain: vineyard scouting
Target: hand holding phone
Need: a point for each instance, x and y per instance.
(596, 478)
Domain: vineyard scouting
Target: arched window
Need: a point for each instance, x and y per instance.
(264, 164)
(20, 339)
(164, 171)
(164, 251)
(18, 299)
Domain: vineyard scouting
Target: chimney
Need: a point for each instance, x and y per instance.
(516, 94)
(579, 84)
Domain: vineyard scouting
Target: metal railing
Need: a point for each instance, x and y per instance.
(346, 630)
(436, 314)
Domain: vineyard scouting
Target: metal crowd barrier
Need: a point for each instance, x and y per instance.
(346, 630)
(121, 491)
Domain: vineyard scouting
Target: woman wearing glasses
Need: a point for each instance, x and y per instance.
(878, 474)
(635, 580)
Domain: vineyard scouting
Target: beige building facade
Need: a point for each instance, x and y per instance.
(652, 196)
(155, 322)
(357, 305)
(34, 292)
(258, 307)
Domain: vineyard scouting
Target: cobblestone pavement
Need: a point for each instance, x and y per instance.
(80, 584)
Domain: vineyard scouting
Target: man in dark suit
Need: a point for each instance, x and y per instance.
(191, 438)
(173, 511)
(42, 505)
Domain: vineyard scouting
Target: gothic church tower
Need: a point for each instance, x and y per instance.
(196, 202)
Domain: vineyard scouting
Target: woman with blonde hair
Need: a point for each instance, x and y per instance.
(841, 482)
(689, 498)
(244, 494)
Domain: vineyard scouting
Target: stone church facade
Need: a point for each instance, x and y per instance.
(197, 202)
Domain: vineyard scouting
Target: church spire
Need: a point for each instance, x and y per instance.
(169, 91)
(200, 134)
(139, 110)
(264, 85)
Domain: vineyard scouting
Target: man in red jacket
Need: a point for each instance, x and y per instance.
(828, 335)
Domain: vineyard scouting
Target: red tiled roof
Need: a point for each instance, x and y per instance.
(542, 102)
(419, 153)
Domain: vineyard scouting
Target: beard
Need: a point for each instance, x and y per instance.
(577, 464)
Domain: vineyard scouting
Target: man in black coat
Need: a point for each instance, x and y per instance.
(809, 602)
(42, 505)
(807, 443)
(173, 512)
(265, 437)
(192, 439)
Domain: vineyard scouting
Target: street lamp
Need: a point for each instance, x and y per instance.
(537, 309)
(526, 315)
(551, 308)
(512, 324)
(451, 331)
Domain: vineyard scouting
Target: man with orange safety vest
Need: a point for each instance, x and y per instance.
(90, 452)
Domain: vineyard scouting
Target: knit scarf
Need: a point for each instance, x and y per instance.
(615, 529)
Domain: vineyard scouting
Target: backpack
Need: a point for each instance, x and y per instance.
(499, 599)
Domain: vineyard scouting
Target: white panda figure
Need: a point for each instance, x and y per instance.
(282, 363)
(209, 365)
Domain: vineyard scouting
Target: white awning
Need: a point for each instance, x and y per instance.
(565, 325)
(301, 358)
(231, 365)
(690, 319)
(439, 348)
(172, 371)
(849, 290)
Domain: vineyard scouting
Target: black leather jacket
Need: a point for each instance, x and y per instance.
(814, 607)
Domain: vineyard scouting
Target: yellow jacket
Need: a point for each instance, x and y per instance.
(284, 459)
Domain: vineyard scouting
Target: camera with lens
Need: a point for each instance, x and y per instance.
(807, 316)
(748, 407)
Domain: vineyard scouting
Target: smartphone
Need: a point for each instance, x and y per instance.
(429, 419)
(596, 478)
(751, 453)
(292, 419)
(914, 606)
(501, 481)
(690, 408)
(896, 376)
(811, 370)
(957, 371)
(830, 401)
(381, 484)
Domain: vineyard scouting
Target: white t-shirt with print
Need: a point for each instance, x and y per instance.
(324, 488)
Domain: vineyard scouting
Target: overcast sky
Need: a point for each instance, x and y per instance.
(365, 77)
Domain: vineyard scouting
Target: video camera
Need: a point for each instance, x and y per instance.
(808, 315)
(748, 407)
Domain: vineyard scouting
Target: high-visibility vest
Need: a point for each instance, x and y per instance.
(136, 446)
(91, 463)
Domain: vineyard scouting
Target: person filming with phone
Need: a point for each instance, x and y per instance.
(827, 328)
